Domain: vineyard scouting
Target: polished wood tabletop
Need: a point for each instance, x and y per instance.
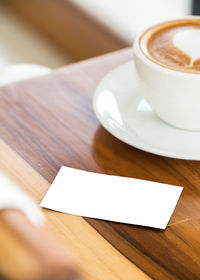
(48, 122)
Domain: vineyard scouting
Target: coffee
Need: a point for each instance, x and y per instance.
(174, 45)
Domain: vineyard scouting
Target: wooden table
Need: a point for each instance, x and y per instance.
(48, 122)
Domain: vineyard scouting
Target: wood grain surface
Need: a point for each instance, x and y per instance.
(96, 257)
(49, 122)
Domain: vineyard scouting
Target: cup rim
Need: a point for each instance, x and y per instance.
(138, 51)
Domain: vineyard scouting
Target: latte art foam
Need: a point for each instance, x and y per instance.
(175, 45)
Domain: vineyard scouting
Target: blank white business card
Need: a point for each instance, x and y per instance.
(113, 198)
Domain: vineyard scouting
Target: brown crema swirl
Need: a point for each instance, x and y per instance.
(157, 44)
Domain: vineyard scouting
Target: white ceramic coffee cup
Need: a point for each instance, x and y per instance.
(174, 96)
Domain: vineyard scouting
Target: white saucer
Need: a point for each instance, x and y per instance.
(125, 114)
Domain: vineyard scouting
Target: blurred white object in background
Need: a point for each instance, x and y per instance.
(128, 17)
(19, 72)
(13, 198)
